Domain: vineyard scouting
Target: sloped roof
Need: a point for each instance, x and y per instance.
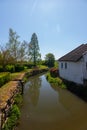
(75, 55)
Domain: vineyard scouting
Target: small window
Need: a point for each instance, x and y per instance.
(61, 65)
(86, 65)
(65, 65)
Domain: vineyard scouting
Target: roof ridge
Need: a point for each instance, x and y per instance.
(75, 54)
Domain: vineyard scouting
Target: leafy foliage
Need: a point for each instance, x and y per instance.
(34, 54)
(13, 44)
(4, 78)
(22, 52)
(1, 68)
(5, 57)
(10, 68)
(57, 81)
(13, 117)
(18, 100)
(54, 72)
(50, 60)
(19, 67)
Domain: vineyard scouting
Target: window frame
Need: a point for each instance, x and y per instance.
(65, 65)
(62, 65)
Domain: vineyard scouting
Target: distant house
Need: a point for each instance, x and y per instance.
(73, 66)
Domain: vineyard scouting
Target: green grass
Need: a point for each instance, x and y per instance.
(42, 67)
(4, 78)
(57, 81)
(56, 64)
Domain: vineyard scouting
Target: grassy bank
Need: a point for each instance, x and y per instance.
(14, 114)
(56, 81)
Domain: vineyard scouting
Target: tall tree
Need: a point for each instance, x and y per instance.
(34, 54)
(50, 59)
(13, 44)
(22, 51)
(5, 57)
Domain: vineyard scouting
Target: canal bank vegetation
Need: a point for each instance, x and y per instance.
(14, 114)
(10, 101)
(53, 78)
(11, 98)
(79, 90)
(4, 78)
(36, 70)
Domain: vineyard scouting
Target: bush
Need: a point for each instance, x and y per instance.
(1, 68)
(29, 65)
(54, 72)
(12, 119)
(19, 67)
(4, 78)
(18, 100)
(57, 81)
(10, 68)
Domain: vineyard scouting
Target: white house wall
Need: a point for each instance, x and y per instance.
(73, 72)
(85, 66)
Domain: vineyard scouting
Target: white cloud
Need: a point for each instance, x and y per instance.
(47, 6)
(34, 6)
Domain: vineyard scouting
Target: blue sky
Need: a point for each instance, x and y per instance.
(60, 25)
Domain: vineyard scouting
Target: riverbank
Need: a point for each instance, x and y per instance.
(78, 90)
(8, 92)
(56, 81)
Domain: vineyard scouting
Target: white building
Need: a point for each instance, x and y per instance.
(73, 66)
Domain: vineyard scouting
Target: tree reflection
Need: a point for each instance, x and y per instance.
(34, 90)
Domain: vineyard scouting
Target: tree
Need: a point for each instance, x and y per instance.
(50, 60)
(34, 54)
(22, 51)
(13, 44)
(5, 57)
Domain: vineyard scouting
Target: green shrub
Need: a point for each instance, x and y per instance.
(29, 65)
(18, 100)
(1, 68)
(15, 111)
(4, 78)
(10, 68)
(57, 81)
(54, 72)
(13, 118)
(19, 67)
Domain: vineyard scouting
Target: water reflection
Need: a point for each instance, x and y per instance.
(48, 107)
(34, 90)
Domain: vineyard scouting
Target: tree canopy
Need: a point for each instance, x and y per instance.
(34, 54)
(13, 44)
(50, 59)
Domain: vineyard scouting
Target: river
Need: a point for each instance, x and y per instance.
(47, 107)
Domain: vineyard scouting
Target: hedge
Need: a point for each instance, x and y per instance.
(4, 78)
(10, 68)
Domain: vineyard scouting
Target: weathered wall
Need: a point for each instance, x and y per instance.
(85, 66)
(73, 72)
(7, 99)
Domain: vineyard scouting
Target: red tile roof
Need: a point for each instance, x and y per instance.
(75, 55)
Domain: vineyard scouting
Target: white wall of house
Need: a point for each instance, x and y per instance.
(73, 72)
(85, 66)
